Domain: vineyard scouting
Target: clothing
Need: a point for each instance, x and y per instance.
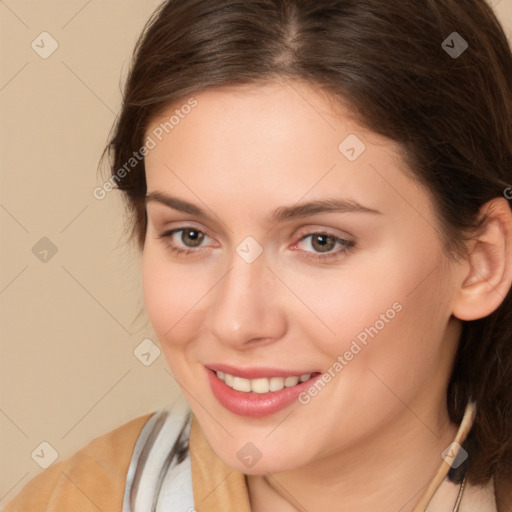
(162, 462)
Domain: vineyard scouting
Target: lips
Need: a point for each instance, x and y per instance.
(258, 403)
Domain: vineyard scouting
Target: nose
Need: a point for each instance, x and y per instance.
(248, 305)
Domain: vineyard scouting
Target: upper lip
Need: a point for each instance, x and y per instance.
(256, 372)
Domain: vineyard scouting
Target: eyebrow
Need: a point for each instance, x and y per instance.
(279, 215)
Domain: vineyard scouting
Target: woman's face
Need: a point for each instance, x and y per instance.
(352, 289)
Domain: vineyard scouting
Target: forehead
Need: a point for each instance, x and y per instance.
(276, 125)
(274, 144)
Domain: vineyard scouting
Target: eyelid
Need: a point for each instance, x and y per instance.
(345, 244)
(169, 232)
(301, 234)
(344, 240)
(161, 215)
(181, 225)
(310, 230)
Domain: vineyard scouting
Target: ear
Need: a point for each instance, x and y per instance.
(486, 276)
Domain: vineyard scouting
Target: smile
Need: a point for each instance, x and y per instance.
(261, 385)
(257, 392)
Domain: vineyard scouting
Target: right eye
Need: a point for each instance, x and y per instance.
(190, 239)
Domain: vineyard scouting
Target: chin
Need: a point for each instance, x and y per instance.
(268, 463)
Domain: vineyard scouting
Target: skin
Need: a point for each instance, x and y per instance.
(242, 153)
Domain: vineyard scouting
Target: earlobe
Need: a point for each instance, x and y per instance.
(488, 275)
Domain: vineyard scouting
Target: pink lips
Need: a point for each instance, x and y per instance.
(256, 405)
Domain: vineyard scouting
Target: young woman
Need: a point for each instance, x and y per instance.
(321, 194)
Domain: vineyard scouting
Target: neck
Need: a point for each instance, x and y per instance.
(389, 472)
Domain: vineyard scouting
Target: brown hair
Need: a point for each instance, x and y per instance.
(451, 115)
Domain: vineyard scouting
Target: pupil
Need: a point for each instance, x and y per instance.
(194, 236)
(323, 241)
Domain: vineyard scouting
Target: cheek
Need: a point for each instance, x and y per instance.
(378, 309)
(356, 302)
(410, 348)
(169, 296)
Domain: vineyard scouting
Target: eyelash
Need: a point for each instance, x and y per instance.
(347, 245)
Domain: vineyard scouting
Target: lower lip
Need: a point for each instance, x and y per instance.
(256, 405)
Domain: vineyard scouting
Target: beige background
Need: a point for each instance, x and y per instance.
(69, 324)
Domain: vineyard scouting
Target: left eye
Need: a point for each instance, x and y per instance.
(324, 243)
(321, 242)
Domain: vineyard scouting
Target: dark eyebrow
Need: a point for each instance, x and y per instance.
(319, 206)
(279, 215)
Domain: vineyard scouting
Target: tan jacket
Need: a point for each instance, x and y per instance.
(93, 479)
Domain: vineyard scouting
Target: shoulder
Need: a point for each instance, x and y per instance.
(92, 478)
(493, 496)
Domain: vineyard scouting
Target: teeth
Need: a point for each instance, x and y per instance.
(261, 385)
(291, 381)
(276, 384)
(241, 384)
